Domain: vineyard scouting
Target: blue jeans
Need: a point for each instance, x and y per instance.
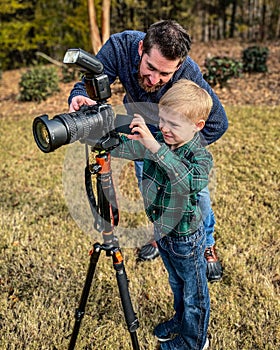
(186, 266)
(208, 216)
(203, 201)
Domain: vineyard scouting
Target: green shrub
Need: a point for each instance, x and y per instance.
(221, 69)
(254, 59)
(38, 83)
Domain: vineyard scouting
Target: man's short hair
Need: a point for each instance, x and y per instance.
(172, 40)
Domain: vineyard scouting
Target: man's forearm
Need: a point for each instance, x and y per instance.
(78, 89)
(216, 125)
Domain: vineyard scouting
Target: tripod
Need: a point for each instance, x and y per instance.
(105, 212)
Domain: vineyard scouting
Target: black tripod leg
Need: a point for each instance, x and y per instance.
(80, 311)
(130, 317)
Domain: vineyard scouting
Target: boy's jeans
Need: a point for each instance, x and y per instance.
(204, 203)
(184, 260)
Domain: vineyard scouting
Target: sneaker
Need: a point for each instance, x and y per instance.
(179, 344)
(148, 251)
(214, 269)
(166, 330)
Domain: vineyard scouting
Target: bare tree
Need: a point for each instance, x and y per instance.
(96, 39)
(233, 19)
(106, 5)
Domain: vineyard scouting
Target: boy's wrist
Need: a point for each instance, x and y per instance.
(154, 147)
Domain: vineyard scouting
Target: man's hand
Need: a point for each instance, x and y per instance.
(141, 132)
(78, 101)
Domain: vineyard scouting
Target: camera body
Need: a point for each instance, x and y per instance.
(93, 125)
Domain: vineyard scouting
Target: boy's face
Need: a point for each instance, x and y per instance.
(176, 129)
(155, 70)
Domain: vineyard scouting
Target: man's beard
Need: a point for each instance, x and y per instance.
(153, 88)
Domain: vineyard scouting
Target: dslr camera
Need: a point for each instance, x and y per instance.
(94, 125)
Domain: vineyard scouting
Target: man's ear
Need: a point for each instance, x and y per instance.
(200, 125)
(179, 65)
(140, 48)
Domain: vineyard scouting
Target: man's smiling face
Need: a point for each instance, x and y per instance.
(154, 69)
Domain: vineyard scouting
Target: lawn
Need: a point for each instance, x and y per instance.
(44, 252)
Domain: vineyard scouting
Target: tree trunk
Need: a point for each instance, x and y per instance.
(263, 22)
(232, 19)
(277, 32)
(106, 4)
(94, 31)
(204, 26)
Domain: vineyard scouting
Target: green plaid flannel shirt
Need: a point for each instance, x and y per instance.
(171, 181)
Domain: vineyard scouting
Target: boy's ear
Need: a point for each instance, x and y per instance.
(200, 125)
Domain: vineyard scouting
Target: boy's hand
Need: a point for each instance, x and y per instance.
(141, 132)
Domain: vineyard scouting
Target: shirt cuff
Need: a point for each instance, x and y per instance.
(161, 155)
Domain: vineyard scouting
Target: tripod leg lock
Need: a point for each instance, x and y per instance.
(79, 315)
(133, 326)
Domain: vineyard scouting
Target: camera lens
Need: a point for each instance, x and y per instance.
(49, 134)
(89, 125)
(42, 133)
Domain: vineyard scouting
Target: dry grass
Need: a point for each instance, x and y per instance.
(44, 254)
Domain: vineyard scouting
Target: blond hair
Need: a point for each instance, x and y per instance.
(188, 99)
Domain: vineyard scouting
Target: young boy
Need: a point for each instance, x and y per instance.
(176, 168)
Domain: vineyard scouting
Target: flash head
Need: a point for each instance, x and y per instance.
(84, 60)
(96, 82)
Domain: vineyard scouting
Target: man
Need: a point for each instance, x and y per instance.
(147, 66)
